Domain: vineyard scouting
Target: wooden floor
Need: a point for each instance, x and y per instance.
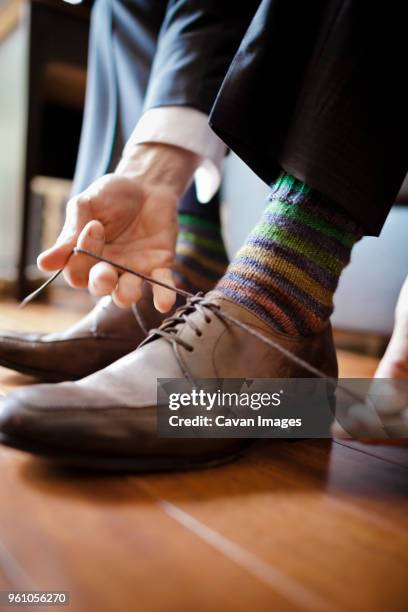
(305, 525)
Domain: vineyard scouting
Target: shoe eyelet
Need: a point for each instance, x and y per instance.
(209, 320)
(199, 333)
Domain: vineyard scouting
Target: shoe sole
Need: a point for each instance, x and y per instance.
(120, 464)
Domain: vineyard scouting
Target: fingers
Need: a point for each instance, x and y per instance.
(57, 256)
(128, 290)
(360, 421)
(92, 238)
(338, 431)
(78, 214)
(103, 279)
(163, 298)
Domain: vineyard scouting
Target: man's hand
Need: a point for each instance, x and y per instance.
(130, 217)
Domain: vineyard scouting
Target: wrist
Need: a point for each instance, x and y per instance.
(159, 165)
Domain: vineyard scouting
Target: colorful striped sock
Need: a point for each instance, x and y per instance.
(289, 267)
(201, 258)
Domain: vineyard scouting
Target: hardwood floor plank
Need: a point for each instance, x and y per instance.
(114, 548)
(352, 365)
(10, 380)
(12, 574)
(333, 520)
(396, 453)
(36, 317)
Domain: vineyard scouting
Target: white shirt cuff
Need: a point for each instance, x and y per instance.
(188, 128)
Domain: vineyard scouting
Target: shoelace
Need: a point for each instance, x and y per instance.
(196, 303)
(168, 329)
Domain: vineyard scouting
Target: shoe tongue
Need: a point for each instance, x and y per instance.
(174, 328)
(216, 296)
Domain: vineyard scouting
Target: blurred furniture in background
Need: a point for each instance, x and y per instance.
(43, 55)
(57, 53)
(12, 130)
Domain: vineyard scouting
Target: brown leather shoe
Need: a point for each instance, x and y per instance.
(109, 420)
(100, 338)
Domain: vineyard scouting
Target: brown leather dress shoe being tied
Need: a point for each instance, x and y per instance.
(108, 420)
(100, 338)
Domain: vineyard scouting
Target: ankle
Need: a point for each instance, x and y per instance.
(290, 265)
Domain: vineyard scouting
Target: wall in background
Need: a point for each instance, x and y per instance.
(12, 130)
(368, 288)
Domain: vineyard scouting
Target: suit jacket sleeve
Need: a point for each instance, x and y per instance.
(196, 44)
